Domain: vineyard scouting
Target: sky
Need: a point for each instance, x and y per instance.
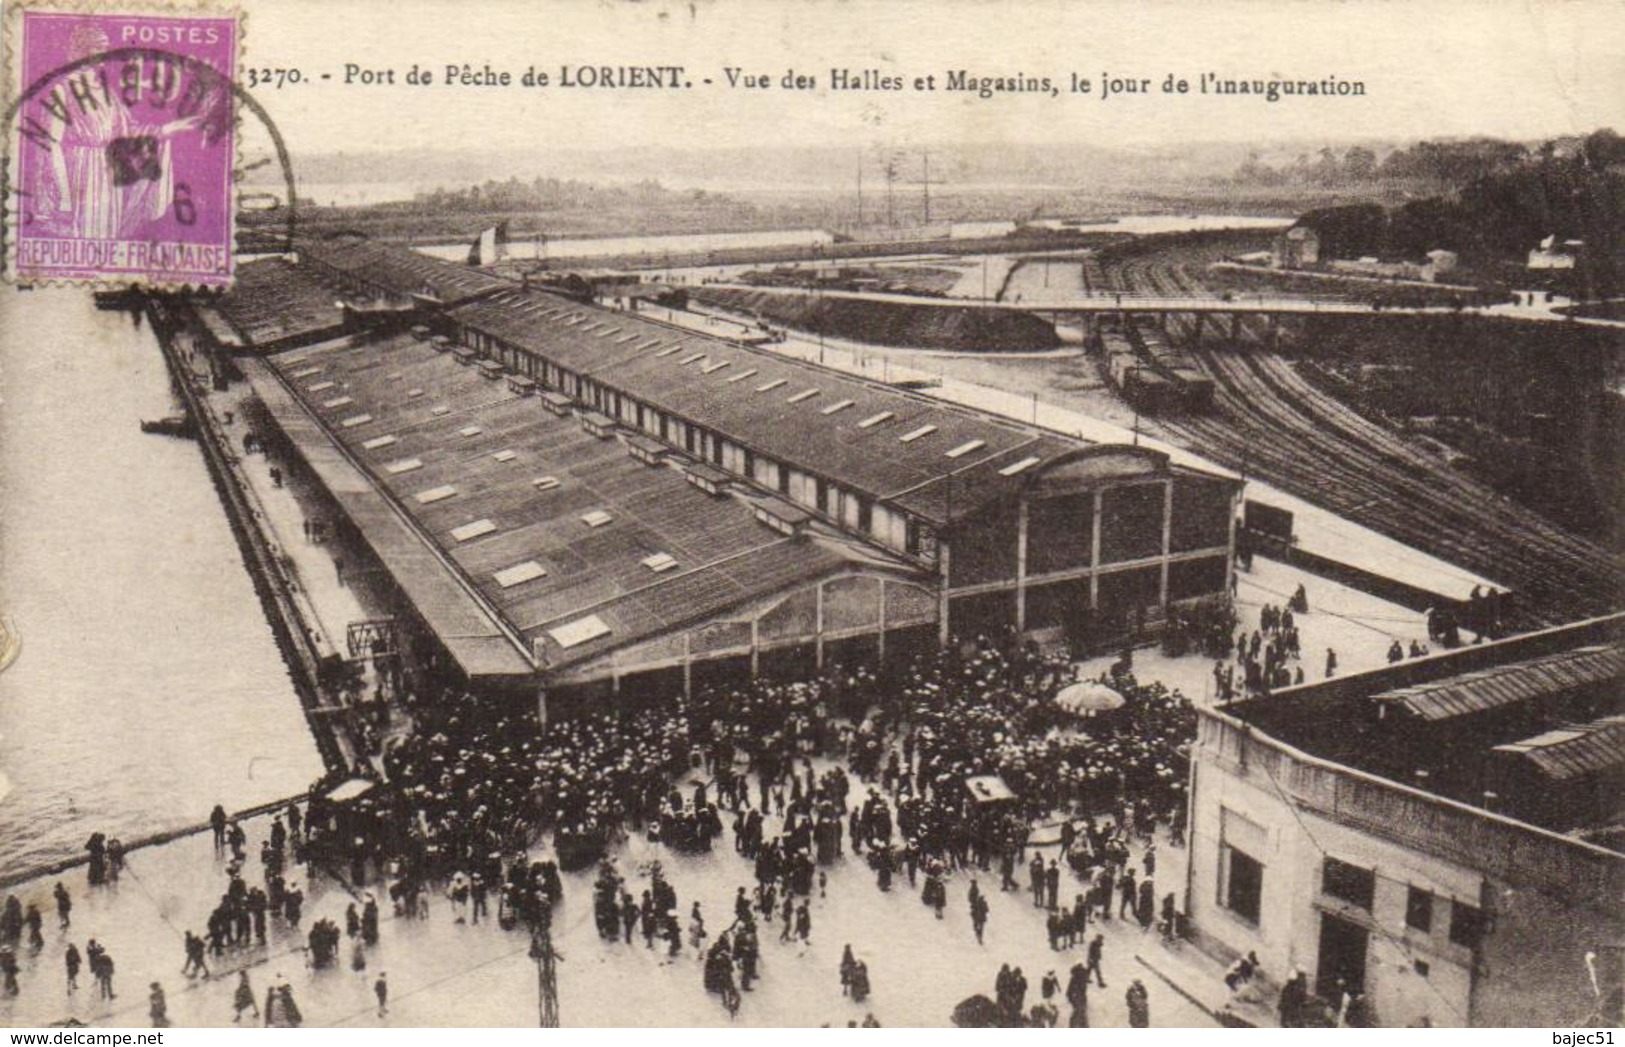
(1432, 68)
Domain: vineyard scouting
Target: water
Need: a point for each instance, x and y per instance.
(1146, 224)
(149, 687)
(677, 245)
(360, 194)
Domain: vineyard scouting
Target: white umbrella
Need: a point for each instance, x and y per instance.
(1087, 697)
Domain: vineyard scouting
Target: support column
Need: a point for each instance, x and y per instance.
(1235, 327)
(755, 648)
(818, 628)
(1167, 538)
(1196, 329)
(1021, 566)
(880, 654)
(1230, 552)
(688, 665)
(1273, 322)
(942, 589)
(541, 705)
(1094, 556)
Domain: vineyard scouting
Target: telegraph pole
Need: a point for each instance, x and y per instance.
(926, 183)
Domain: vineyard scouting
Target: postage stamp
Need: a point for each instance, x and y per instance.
(121, 130)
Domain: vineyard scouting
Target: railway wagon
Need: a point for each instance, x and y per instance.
(1129, 374)
(1120, 368)
(1188, 388)
(1195, 388)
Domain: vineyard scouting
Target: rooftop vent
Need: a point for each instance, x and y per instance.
(916, 434)
(659, 562)
(435, 494)
(580, 631)
(741, 376)
(836, 407)
(805, 394)
(378, 441)
(545, 483)
(404, 465)
(519, 573)
(470, 531)
(1018, 467)
(965, 448)
(711, 480)
(596, 518)
(505, 456)
(875, 419)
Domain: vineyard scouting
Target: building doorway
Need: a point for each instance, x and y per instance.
(1343, 947)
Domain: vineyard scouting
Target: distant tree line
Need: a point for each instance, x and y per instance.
(1500, 200)
(555, 194)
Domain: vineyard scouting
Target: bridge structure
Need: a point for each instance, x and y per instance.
(1226, 311)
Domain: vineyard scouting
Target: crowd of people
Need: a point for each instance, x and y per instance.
(798, 773)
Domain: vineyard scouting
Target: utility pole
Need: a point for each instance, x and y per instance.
(547, 984)
(860, 189)
(925, 185)
(891, 179)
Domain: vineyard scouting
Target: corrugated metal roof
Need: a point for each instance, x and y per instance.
(858, 447)
(1574, 750)
(403, 270)
(468, 631)
(275, 301)
(1509, 684)
(775, 414)
(725, 556)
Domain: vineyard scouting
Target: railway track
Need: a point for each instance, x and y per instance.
(1276, 425)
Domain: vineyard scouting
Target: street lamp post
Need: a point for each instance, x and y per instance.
(547, 985)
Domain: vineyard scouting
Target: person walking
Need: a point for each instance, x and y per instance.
(243, 999)
(195, 963)
(978, 912)
(1139, 1005)
(217, 823)
(1126, 893)
(1097, 947)
(280, 1010)
(380, 989)
(64, 905)
(72, 961)
(8, 971)
(804, 924)
(33, 921)
(1077, 995)
(158, 1007)
(101, 968)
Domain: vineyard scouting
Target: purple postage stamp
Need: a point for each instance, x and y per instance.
(122, 143)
